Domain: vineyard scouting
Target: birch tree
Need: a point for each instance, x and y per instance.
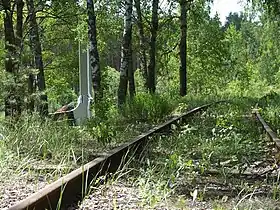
(93, 53)
(126, 53)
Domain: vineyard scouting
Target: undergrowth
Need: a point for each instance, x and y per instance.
(226, 139)
(269, 109)
(55, 142)
(218, 137)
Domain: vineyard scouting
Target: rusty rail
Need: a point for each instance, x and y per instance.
(272, 135)
(73, 186)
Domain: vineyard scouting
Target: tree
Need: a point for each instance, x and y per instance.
(273, 6)
(60, 30)
(235, 19)
(152, 53)
(93, 54)
(183, 48)
(207, 51)
(38, 60)
(142, 43)
(19, 28)
(126, 53)
(12, 42)
(130, 74)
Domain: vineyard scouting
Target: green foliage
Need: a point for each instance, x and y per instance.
(240, 59)
(207, 52)
(147, 107)
(61, 58)
(233, 60)
(103, 131)
(169, 80)
(270, 109)
(110, 83)
(234, 19)
(270, 56)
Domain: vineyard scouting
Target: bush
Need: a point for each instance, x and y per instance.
(101, 130)
(147, 107)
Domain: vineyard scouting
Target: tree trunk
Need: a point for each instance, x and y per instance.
(31, 77)
(9, 37)
(19, 44)
(31, 90)
(152, 64)
(183, 48)
(93, 54)
(131, 81)
(126, 54)
(37, 52)
(31, 83)
(143, 57)
(11, 59)
(19, 25)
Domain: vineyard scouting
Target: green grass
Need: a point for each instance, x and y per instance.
(224, 139)
(32, 141)
(219, 138)
(34, 148)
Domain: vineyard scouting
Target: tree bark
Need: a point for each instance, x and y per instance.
(152, 64)
(37, 52)
(19, 26)
(183, 48)
(93, 53)
(31, 77)
(126, 54)
(131, 81)
(11, 99)
(31, 91)
(9, 37)
(19, 44)
(31, 82)
(143, 57)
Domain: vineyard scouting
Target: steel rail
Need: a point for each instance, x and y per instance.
(272, 135)
(74, 185)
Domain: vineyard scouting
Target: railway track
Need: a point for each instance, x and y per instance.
(272, 135)
(73, 187)
(220, 154)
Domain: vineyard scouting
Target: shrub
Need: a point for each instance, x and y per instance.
(147, 107)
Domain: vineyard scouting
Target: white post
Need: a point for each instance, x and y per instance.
(82, 111)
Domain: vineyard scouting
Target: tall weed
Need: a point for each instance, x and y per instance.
(148, 107)
(43, 139)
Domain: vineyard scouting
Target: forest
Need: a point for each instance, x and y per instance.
(149, 60)
(165, 48)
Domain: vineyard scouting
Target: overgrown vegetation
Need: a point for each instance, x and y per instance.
(238, 61)
(211, 162)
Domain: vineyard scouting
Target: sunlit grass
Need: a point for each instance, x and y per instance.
(209, 139)
(224, 138)
(39, 146)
